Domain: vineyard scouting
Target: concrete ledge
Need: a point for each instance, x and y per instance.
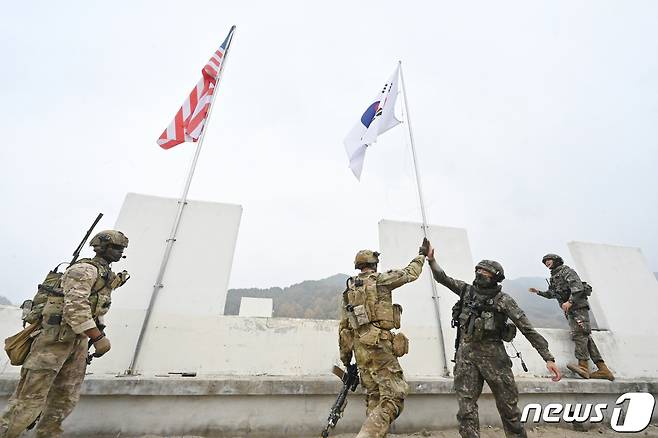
(214, 406)
(316, 385)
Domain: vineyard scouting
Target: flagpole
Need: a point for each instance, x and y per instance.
(182, 202)
(435, 294)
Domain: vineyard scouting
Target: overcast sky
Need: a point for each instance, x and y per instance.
(536, 123)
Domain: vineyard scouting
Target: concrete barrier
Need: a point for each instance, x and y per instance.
(288, 406)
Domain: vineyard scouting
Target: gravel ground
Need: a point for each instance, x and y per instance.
(495, 432)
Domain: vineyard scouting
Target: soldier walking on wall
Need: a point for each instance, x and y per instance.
(54, 369)
(368, 316)
(571, 293)
(482, 313)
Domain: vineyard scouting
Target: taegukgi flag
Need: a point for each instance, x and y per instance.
(378, 118)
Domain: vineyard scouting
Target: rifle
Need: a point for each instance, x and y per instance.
(457, 309)
(350, 382)
(76, 253)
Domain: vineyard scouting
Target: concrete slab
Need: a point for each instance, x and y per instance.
(197, 276)
(256, 307)
(625, 291)
(399, 242)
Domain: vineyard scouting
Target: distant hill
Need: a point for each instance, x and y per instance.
(4, 301)
(320, 299)
(540, 311)
(313, 299)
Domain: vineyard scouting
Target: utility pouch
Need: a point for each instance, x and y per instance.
(397, 316)
(587, 288)
(369, 335)
(18, 346)
(351, 319)
(488, 321)
(508, 333)
(477, 333)
(384, 315)
(361, 315)
(52, 311)
(400, 344)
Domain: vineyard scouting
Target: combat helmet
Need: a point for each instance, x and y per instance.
(109, 237)
(493, 267)
(364, 257)
(556, 259)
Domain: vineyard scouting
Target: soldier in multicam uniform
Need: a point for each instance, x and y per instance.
(571, 294)
(483, 311)
(368, 316)
(55, 367)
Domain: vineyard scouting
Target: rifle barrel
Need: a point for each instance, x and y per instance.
(76, 253)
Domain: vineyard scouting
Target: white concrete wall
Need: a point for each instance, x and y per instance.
(256, 307)
(625, 291)
(233, 345)
(197, 275)
(185, 337)
(399, 242)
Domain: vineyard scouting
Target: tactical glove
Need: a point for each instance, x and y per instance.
(101, 346)
(424, 248)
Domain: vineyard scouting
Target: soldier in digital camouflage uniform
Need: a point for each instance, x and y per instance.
(368, 316)
(55, 367)
(483, 311)
(570, 292)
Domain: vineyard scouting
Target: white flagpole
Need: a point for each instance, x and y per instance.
(179, 213)
(435, 295)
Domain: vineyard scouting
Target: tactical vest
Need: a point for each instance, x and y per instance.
(481, 319)
(366, 304)
(48, 303)
(560, 286)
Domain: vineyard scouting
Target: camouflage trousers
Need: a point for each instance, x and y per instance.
(49, 386)
(476, 363)
(581, 334)
(383, 380)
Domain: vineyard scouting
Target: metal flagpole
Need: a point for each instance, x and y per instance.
(435, 294)
(179, 213)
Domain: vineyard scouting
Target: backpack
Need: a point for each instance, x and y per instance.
(52, 286)
(587, 288)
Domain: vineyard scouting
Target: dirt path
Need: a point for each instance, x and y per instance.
(533, 432)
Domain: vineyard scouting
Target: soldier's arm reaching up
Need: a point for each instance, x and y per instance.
(398, 277)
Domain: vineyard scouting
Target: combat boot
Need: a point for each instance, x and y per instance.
(603, 372)
(582, 368)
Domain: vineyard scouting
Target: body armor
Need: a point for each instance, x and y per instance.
(365, 304)
(480, 319)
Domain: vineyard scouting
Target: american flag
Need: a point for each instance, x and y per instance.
(191, 117)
